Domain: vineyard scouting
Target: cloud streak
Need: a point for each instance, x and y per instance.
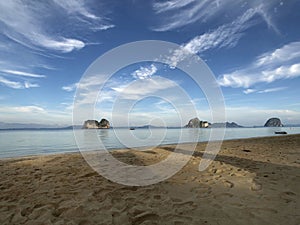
(282, 63)
(288, 52)
(269, 90)
(160, 7)
(16, 84)
(30, 113)
(70, 87)
(179, 13)
(225, 36)
(77, 7)
(24, 22)
(144, 87)
(10, 83)
(25, 74)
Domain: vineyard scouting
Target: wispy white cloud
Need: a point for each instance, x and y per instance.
(11, 84)
(24, 22)
(34, 114)
(226, 35)
(144, 87)
(60, 44)
(248, 77)
(170, 5)
(249, 91)
(282, 63)
(86, 13)
(103, 27)
(164, 106)
(268, 18)
(26, 79)
(282, 72)
(17, 84)
(140, 88)
(70, 87)
(176, 13)
(145, 72)
(91, 82)
(286, 53)
(28, 30)
(30, 85)
(87, 89)
(22, 73)
(181, 13)
(21, 23)
(77, 7)
(29, 109)
(268, 90)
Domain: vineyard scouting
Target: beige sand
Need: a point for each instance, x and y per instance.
(252, 181)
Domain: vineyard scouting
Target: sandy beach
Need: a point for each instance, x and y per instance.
(251, 181)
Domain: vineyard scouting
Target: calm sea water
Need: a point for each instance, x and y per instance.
(15, 143)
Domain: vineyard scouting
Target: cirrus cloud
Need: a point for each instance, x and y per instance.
(24, 22)
(281, 63)
(225, 36)
(17, 84)
(179, 13)
(22, 73)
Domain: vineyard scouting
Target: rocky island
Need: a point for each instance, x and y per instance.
(273, 122)
(196, 123)
(227, 125)
(94, 124)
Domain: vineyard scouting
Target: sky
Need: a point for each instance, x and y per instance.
(251, 47)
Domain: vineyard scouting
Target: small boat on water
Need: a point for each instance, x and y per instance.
(280, 132)
(131, 128)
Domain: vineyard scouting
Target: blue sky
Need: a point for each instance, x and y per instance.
(252, 47)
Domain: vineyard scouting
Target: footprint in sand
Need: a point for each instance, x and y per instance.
(228, 184)
(186, 205)
(140, 216)
(157, 197)
(146, 218)
(288, 196)
(223, 196)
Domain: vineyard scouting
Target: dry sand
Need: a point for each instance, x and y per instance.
(251, 181)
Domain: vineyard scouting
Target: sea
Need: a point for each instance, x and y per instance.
(17, 143)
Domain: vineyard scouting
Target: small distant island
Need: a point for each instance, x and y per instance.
(226, 124)
(196, 123)
(94, 124)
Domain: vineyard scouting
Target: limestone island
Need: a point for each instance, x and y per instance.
(196, 123)
(273, 122)
(94, 124)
